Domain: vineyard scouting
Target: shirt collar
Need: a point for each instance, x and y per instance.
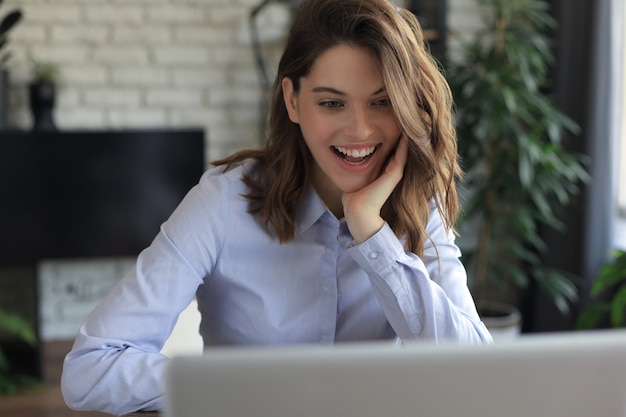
(310, 210)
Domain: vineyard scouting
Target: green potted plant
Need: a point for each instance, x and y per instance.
(608, 295)
(519, 176)
(6, 24)
(14, 326)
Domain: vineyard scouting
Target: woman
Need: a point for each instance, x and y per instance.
(340, 229)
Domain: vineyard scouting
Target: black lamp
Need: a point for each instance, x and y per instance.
(264, 79)
(256, 43)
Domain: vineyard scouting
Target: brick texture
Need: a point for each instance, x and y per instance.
(145, 64)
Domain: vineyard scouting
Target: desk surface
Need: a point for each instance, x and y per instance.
(44, 402)
(47, 402)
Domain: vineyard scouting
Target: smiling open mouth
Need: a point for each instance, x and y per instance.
(354, 156)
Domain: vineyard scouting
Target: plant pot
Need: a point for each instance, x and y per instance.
(504, 321)
(42, 99)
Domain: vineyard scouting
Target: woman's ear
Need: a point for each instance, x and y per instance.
(291, 99)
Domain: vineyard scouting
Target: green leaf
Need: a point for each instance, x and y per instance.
(592, 316)
(14, 325)
(509, 99)
(9, 21)
(612, 273)
(617, 265)
(618, 308)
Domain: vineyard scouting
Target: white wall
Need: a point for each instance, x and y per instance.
(70, 289)
(145, 63)
(463, 20)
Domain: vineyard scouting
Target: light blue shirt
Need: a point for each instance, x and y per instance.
(318, 288)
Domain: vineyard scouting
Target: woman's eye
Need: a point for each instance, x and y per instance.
(382, 102)
(331, 104)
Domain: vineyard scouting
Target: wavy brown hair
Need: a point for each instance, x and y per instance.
(421, 101)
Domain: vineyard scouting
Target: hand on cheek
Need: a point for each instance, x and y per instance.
(362, 208)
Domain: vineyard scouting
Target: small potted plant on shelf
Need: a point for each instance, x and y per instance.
(42, 93)
(519, 175)
(608, 295)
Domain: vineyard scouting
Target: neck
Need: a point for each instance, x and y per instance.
(330, 195)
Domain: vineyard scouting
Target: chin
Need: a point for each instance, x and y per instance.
(352, 186)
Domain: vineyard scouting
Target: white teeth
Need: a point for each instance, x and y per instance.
(355, 153)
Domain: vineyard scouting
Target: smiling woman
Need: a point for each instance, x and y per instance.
(340, 229)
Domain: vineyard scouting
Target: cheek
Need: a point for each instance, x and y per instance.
(392, 127)
(316, 130)
(391, 133)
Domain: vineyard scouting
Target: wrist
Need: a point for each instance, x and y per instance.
(362, 231)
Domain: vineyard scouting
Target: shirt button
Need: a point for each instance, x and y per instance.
(373, 255)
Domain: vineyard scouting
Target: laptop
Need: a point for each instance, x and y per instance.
(572, 374)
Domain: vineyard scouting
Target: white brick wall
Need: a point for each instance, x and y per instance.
(146, 63)
(464, 19)
(69, 290)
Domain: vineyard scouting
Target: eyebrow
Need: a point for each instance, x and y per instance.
(341, 93)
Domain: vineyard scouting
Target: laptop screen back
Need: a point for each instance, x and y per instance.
(569, 375)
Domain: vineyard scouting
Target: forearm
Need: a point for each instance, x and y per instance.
(115, 365)
(421, 310)
(112, 377)
(415, 305)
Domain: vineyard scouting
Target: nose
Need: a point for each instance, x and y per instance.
(360, 124)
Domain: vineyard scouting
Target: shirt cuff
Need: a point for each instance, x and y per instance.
(378, 253)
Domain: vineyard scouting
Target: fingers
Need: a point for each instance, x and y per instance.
(395, 168)
(379, 191)
(362, 208)
(402, 153)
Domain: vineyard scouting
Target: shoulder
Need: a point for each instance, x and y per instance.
(226, 181)
(208, 211)
(216, 194)
(436, 227)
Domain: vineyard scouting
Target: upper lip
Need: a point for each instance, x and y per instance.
(356, 151)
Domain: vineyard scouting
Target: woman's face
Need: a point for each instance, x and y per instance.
(346, 120)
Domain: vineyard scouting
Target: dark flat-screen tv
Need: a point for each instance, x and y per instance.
(84, 194)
